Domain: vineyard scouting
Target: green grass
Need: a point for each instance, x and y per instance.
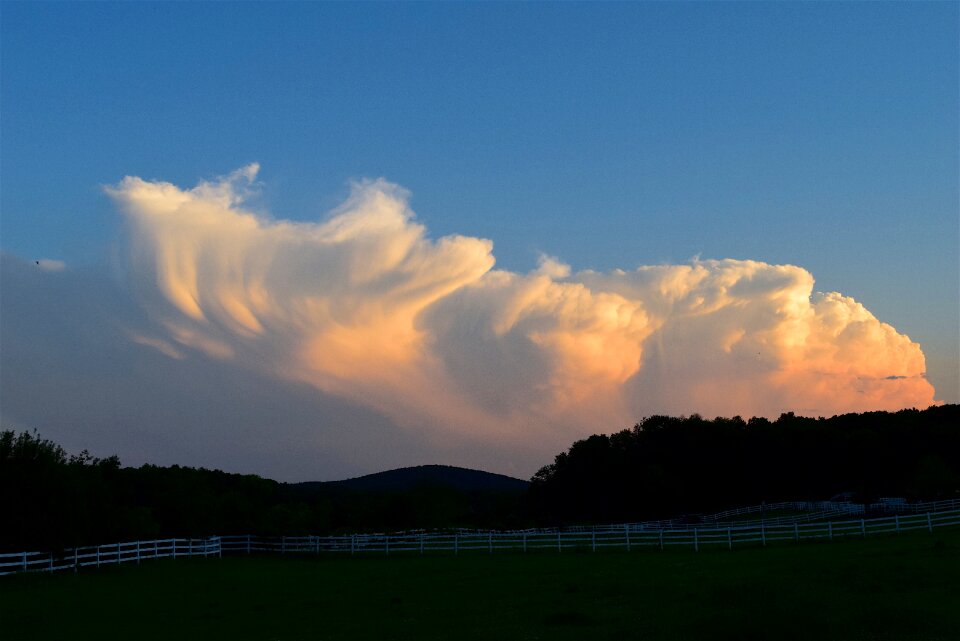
(895, 588)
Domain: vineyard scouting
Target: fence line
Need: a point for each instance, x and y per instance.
(107, 554)
(618, 537)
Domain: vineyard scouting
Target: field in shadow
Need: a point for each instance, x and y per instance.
(884, 588)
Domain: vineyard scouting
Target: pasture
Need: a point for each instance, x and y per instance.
(888, 587)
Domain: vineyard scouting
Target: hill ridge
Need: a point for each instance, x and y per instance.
(406, 478)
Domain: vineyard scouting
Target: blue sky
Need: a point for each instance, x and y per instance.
(607, 135)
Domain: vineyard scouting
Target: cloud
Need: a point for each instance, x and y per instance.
(51, 265)
(75, 369)
(158, 344)
(366, 307)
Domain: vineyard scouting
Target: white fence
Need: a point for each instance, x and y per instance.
(623, 537)
(107, 554)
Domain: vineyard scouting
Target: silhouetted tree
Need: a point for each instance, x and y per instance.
(665, 466)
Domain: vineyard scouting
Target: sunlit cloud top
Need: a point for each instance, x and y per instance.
(366, 306)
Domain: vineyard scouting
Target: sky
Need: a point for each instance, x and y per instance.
(312, 241)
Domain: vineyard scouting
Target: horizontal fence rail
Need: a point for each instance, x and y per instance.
(622, 537)
(726, 535)
(107, 554)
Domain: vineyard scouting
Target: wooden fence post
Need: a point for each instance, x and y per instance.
(627, 529)
(75, 560)
(386, 544)
(490, 543)
(730, 538)
(98, 556)
(896, 523)
(696, 540)
(763, 534)
(830, 530)
(593, 540)
(661, 540)
(456, 543)
(559, 544)
(421, 544)
(138, 551)
(796, 532)
(353, 542)
(24, 562)
(524, 542)
(863, 528)
(929, 523)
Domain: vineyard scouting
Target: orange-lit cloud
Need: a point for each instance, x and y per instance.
(365, 306)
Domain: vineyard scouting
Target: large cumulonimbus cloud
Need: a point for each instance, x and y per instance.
(366, 307)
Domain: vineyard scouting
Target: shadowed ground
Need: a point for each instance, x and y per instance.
(884, 588)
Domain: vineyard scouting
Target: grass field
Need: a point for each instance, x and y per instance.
(905, 587)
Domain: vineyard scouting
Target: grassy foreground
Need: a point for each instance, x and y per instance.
(905, 587)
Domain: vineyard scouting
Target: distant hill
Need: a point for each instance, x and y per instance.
(408, 478)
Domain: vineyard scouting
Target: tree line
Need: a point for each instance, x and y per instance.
(661, 468)
(51, 500)
(667, 466)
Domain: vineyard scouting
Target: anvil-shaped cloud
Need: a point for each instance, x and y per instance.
(365, 306)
